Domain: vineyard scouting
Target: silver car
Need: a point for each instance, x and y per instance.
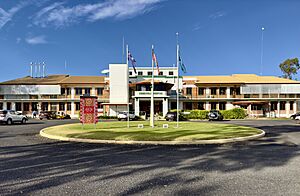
(10, 116)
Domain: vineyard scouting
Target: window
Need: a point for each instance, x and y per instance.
(77, 106)
(213, 106)
(161, 73)
(291, 105)
(68, 91)
(222, 91)
(69, 107)
(171, 73)
(34, 106)
(256, 107)
(62, 91)
(78, 91)
(213, 91)
(189, 91)
(44, 106)
(18, 107)
(188, 105)
(100, 91)
(282, 105)
(26, 107)
(140, 73)
(1, 106)
(200, 91)
(61, 106)
(273, 106)
(200, 106)
(222, 106)
(87, 91)
(8, 106)
(130, 73)
(149, 73)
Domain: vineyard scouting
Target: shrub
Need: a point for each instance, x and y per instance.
(107, 117)
(236, 113)
(197, 114)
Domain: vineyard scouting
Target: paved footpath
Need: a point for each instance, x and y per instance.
(32, 165)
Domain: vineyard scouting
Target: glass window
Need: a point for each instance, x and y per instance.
(160, 73)
(256, 107)
(273, 106)
(61, 106)
(213, 106)
(1, 106)
(26, 107)
(69, 108)
(282, 105)
(200, 91)
(100, 91)
(213, 91)
(222, 91)
(291, 105)
(222, 106)
(78, 91)
(149, 73)
(62, 91)
(171, 73)
(140, 73)
(77, 106)
(100, 106)
(189, 91)
(200, 106)
(188, 105)
(18, 107)
(68, 91)
(87, 91)
(130, 73)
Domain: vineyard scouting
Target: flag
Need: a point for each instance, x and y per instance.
(155, 60)
(181, 64)
(132, 60)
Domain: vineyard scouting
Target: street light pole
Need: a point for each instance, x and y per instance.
(262, 50)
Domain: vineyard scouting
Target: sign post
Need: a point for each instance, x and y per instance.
(88, 110)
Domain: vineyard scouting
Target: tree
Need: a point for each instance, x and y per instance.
(290, 67)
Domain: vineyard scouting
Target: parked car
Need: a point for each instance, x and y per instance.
(172, 116)
(293, 116)
(47, 115)
(124, 116)
(62, 115)
(10, 116)
(215, 115)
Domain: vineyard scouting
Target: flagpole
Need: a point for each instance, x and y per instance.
(152, 93)
(128, 118)
(177, 63)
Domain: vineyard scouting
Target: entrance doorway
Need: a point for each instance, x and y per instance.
(145, 107)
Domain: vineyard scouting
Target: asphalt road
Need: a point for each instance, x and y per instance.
(32, 165)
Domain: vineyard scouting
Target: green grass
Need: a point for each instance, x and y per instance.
(187, 131)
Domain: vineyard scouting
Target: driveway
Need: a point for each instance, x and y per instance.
(32, 165)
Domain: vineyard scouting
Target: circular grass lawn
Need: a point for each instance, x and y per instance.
(118, 131)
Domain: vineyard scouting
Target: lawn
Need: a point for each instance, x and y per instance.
(187, 131)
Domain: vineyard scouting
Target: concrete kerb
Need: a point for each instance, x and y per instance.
(95, 141)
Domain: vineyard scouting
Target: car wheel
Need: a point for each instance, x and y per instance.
(9, 121)
(23, 121)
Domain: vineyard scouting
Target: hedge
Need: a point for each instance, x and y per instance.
(236, 113)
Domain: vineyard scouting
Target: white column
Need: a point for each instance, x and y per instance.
(295, 106)
(93, 93)
(39, 106)
(278, 109)
(165, 106)
(4, 106)
(229, 106)
(72, 93)
(72, 109)
(180, 105)
(207, 92)
(228, 92)
(137, 106)
(13, 105)
(66, 105)
(207, 106)
(287, 109)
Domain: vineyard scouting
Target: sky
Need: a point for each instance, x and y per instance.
(216, 37)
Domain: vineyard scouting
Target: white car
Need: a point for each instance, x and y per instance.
(10, 116)
(123, 115)
(297, 118)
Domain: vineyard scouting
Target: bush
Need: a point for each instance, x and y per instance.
(236, 113)
(107, 117)
(197, 114)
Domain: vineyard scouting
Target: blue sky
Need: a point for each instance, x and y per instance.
(217, 37)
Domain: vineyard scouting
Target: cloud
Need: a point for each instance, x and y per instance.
(6, 16)
(41, 39)
(18, 40)
(59, 15)
(217, 15)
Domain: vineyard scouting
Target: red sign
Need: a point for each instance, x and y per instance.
(88, 110)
